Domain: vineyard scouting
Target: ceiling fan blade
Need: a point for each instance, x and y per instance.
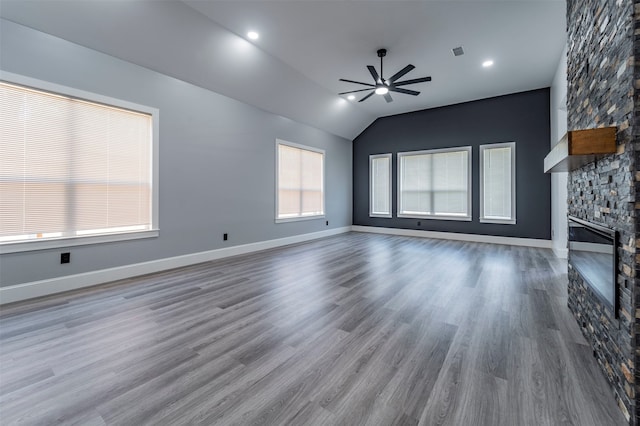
(405, 91)
(400, 73)
(415, 80)
(388, 98)
(353, 91)
(357, 82)
(367, 97)
(374, 73)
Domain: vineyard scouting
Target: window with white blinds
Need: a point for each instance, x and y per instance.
(70, 167)
(435, 184)
(380, 185)
(300, 182)
(497, 183)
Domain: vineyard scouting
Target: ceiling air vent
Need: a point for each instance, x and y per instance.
(457, 51)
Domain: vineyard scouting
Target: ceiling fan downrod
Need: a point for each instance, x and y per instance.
(381, 54)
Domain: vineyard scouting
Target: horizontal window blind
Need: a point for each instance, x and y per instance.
(434, 183)
(380, 185)
(300, 182)
(70, 167)
(497, 189)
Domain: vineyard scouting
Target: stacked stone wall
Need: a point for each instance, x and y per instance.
(601, 76)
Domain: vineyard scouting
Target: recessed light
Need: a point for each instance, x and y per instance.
(253, 35)
(487, 64)
(351, 97)
(382, 91)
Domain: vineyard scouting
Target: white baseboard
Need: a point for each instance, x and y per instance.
(513, 241)
(47, 287)
(34, 289)
(561, 253)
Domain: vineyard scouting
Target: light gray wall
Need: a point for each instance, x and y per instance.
(217, 160)
(174, 39)
(559, 180)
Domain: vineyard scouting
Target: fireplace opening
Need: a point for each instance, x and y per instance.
(592, 253)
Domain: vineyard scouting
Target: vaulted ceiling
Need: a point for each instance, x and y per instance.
(306, 46)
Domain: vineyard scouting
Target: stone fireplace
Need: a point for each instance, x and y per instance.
(603, 37)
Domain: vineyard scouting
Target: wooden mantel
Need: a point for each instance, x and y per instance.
(580, 147)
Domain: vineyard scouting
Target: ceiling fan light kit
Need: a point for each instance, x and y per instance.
(383, 86)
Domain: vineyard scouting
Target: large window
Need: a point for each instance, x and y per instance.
(380, 185)
(72, 170)
(300, 182)
(435, 184)
(498, 183)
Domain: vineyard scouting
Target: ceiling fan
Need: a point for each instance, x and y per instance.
(383, 86)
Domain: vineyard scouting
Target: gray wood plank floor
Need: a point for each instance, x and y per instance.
(353, 329)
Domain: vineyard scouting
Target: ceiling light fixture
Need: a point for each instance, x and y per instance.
(253, 35)
(487, 64)
(351, 97)
(382, 90)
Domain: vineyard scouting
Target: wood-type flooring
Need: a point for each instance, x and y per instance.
(349, 330)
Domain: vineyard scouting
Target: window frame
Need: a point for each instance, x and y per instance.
(277, 181)
(78, 240)
(483, 219)
(390, 195)
(465, 218)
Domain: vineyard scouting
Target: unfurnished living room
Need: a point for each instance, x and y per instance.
(319, 212)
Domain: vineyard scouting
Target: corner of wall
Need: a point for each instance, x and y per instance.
(558, 111)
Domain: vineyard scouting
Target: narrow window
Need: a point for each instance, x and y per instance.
(498, 183)
(380, 185)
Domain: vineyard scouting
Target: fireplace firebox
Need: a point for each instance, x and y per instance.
(592, 252)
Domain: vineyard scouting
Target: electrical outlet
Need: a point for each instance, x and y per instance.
(65, 257)
(418, 223)
(225, 237)
(327, 223)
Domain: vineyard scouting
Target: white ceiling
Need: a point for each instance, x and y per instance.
(307, 45)
(328, 40)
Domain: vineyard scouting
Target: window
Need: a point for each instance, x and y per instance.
(300, 182)
(380, 185)
(498, 183)
(72, 169)
(435, 184)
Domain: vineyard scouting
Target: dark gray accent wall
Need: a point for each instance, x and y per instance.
(217, 161)
(522, 118)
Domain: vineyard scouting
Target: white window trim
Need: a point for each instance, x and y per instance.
(371, 158)
(466, 217)
(324, 190)
(33, 245)
(483, 219)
